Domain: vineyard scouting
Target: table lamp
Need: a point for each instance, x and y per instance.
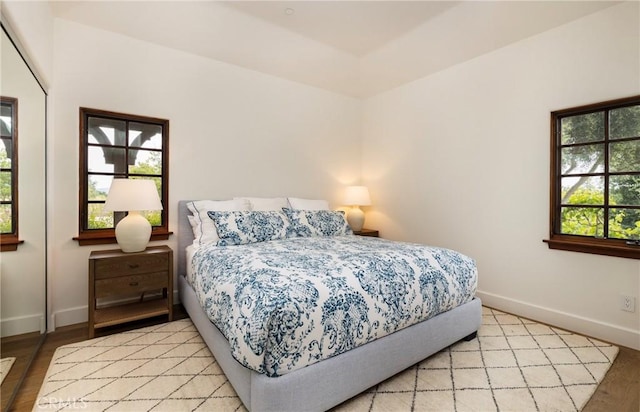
(356, 196)
(133, 195)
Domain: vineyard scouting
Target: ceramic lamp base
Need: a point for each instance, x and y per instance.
(355, 218)
(133, 233)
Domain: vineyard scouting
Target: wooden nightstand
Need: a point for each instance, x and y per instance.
(114, 274)
(367, 232)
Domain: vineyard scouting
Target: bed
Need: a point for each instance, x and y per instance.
(328, 381)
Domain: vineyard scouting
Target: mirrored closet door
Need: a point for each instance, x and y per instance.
(23, 259)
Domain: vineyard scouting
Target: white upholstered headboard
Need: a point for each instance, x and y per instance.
(185, 235)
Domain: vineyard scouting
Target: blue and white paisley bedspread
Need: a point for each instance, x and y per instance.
(286, 304)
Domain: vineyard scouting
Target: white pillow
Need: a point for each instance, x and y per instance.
(204, 230)
(308, 204)
(265, 203)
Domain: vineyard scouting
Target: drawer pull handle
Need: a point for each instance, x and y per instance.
(133, 266)
(133, 284)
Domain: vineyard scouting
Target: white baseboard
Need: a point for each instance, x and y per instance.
(80, 314)
(68, 317)
(21, 324)
(574, 323)
(590, 327)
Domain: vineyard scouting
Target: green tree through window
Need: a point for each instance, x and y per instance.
(595, 177)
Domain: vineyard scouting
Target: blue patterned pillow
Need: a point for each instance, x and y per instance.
(318, 222)
(243, 227)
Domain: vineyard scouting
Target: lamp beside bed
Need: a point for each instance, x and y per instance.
(356, 196)
(133, 195)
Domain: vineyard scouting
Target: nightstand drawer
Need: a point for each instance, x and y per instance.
(133, 265)
(130, 284)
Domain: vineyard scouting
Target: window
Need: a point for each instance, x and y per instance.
(9, 174)
(116, 145)
(595, 178)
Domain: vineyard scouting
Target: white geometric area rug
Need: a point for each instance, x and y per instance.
(5, 367)
(514, 365)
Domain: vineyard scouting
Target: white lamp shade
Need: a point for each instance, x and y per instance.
(357, 196)
(132, 194)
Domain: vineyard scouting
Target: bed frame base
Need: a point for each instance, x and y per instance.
(470, 337)
(320, 386)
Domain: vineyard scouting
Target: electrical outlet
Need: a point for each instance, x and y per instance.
(627, 303)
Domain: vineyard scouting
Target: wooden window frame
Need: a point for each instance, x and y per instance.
(9, 241)
(88, 236)
(578, 243)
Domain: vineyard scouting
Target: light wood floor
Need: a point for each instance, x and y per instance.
(23, 348)
(618, 392)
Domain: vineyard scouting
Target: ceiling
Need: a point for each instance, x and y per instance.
(356, 48)
(355, 27)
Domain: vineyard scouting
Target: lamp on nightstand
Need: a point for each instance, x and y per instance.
(356, 196)
(133, 195)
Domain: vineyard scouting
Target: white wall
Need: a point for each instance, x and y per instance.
(461, 159)
(232, 132)
(32, 23)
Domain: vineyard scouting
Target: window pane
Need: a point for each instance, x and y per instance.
(97, 218)
(624, 190)
(5, 126)
(106, 159)
(145, 135)
(5, 219)
(582, 221)
(146, 162)
(624, 224)
(583, 190)
(624, 122)
(6, 114)
(107, 131)
(5, 186)
(6, 149)
(624, 156)
(582, 159)
(99, 187)
(154, 217)
(582, 129)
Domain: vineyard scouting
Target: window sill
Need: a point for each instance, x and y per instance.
(108, 236)
(615, 248)
(10, 244)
